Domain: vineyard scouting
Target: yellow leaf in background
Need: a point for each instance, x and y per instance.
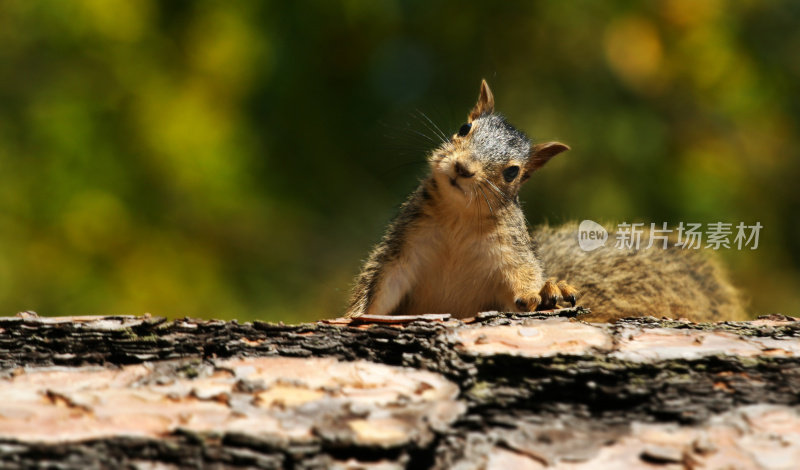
(634, 51)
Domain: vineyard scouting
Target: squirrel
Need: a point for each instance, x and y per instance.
(461, 245)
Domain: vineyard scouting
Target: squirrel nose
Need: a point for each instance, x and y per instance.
(463, 171)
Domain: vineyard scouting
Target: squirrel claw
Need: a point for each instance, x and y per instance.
(568, 293)
(552, 293)
(529, 303)
(548, 304)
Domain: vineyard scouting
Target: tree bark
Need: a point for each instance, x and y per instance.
(499, 391)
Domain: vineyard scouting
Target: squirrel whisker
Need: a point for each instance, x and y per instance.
(493, 192)
(480, 186)
(499, 195)
(434, 127)
(480, 218)
(500, 192)
(421, 134)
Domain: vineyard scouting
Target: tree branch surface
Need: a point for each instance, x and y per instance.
(498, 391)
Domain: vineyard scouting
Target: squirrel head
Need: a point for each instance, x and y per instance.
(488, 159)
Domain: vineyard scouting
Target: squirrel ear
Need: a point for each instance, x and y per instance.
(541, 154)
(485, 104)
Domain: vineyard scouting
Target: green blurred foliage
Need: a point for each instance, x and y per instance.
(238, 159)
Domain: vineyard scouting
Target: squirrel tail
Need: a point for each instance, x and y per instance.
(617, 283)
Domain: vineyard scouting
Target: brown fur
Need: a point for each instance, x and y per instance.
(461, 245)
(615, 283)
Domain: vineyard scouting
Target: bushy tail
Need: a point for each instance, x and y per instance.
(616, 283)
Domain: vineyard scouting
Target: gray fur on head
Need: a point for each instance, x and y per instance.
(493, 138)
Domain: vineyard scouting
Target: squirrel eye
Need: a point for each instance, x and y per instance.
(464, 130)
(510, 173)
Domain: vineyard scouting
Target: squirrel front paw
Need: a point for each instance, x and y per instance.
(528, 303)
(552, 293)
(568, 293)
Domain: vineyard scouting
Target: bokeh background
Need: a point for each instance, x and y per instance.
(239, 159)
